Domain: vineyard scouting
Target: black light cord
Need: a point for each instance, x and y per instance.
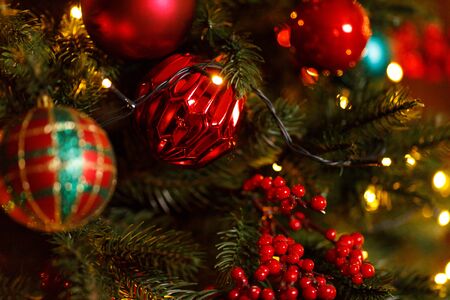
(200, 68)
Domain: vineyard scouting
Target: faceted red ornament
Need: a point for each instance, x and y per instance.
(58, 169)
(329, 35)
(138, 29)
(193, 121)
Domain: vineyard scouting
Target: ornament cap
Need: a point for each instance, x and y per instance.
(45, 101)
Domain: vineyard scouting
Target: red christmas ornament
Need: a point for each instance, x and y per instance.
(58, 169)
(329, 35)
(138, 29)
(192, 122)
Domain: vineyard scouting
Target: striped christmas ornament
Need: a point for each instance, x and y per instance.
(58, 169)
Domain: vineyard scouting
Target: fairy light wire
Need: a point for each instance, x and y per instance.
(200, 68)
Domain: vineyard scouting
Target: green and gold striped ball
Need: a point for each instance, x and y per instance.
(58, 169)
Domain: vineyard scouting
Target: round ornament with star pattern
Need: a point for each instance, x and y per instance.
(58, 169)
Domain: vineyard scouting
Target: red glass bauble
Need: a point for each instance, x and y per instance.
(57, 171)
(138, 29)
(329, 35)
(193, 121)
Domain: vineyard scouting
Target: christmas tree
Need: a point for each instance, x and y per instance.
(219, 149)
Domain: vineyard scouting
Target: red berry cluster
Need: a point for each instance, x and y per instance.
(347, 255)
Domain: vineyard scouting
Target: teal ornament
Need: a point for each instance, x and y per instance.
(377, 55)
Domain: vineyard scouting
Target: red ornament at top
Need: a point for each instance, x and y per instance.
(329, 35)
(193, 121)
(138, 29)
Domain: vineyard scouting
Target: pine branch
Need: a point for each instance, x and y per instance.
(16, 287)
(414, 286)
(237, 248)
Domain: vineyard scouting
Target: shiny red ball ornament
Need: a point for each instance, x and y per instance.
(329, 35)
(138, 29)
(193, 121)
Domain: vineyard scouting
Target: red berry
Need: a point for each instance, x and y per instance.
(283, 192)
(298, 190)
(340, 261)
(309, 293)
(274, 266)
(320, 280)
(286, 207)
(242, 282)
(248, 185)
(327, 292)
(237, 273)
(266, 251)
(357, 279)
(257, 179)
(293, 258)
(343, 251)
(308, 265)
(353, 269)
(267, 294)
(345, 241)
(279, 181)
(234, 294)
(290, 276)
(290, 241)
(296, 249)
(358, 239)
(271, 194)
(299, 215)
(305, 282)
(244, 297)
(330, 255)
(266, 183)
(318, 203)
(261, 273)
(295, 224)
(254, 292)
(265, 239)
(357, 254)
(280, 238)
(345, 269)
(367, 270)
(280, 248)
(291, 293)
(330, 234)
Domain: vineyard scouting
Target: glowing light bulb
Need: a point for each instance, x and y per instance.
(343, 102)
(387, 162)
(447, 270)
(276, 167)
(347, 28)
(294, 15)
(440, 180)
(365, 255)
(410, 161)
(444, 218)
(75, 12)
(395, 72)
(217, 80)
(371, 200)
(440, 278)
(106, 83)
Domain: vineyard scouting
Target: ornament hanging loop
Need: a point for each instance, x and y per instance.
(45, 101)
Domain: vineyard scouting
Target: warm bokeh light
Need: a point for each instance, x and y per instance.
(294, 15)
(440, 180)
(444, 218)
(343, 102)
(410, 161)
(217, 80)
(371, 200)
(440, 278)
(447, 270)
(395, 72)
(75, 12)
(106, 83)
(284, 38)
(276, 167)
(387, 162)
(365, 255)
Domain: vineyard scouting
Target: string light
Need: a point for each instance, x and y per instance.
(410, 161)
(444, 218)
(343, 99)
(276, 167)
(447, 270)
(440, 180)
(217, 80)
(395, 72)
(75, 12)
(387, 162)
(440, 278)
(106, 83)
(371, 200)
(365, 255)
